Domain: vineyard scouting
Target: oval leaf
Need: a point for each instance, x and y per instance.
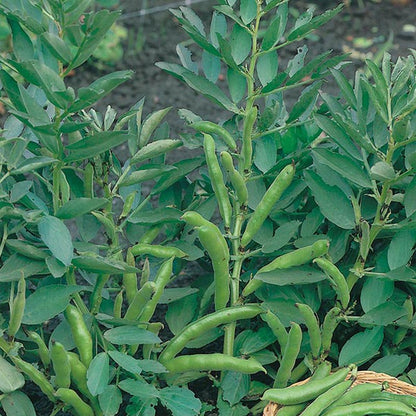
(131, 335)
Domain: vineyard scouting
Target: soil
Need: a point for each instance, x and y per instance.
(362, 31)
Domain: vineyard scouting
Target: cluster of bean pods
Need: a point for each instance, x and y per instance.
(326, 394)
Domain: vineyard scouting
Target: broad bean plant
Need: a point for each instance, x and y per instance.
(292, 222)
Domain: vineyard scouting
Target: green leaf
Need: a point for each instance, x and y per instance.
(333, 203)
(180, 401)
(240, 42)
(97, 264)
(383, 315)
(361, 347)
(401, 249)
(99, 89)
(181, 312)
(338, 135)
(47, 79)
(98, 374)
(375, 292)
(57, 46)
(47, 302)
(210, 91)
(343, 165)
(16, 266)
(155, 149)
(152, 366)
(17, 404)
(126, 361)
(95, 26)
(218, 25)
(22, 44)
(305, 103)
(303, 30)
(266, 67)
(80, 206)
(303, 275)
(237, 85)
(156, 216)
(281, 237)
(248, 10)
(265, 153)
(110, 400)
(10, 378)
(235, 386)
(393, 365)
(255, 341)
(33, 163)
(410, 198)
(184, 168)
(131, 335)
(273, 33)
(382, 171)
(211, 65)
(139, 388)
(345, 87)
(96, 144)
(57, 238)
(146, 173)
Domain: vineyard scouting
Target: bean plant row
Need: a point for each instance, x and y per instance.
(282, 250)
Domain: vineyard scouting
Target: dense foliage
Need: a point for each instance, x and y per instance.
(292, 216)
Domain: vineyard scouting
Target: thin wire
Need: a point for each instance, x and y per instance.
(158, 9)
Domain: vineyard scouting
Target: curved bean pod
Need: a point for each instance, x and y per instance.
(313, 328)
(272, 195)
(213, 362)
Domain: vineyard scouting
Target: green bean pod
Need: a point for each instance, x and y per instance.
(162, 252)
(140, 300)
(204, 324)
(42, 348)
(209, 127)
(359, 393)
(118, 304)
(278, 329)
(80, 333)
(372, 408)
(61, 365)
(338, 279)
(149, 236)
(236, 179)
(195, 219)
(328, 327)
(324, 400)
(290, 354)
(144, 278)
(272, 195)
(36, 376)
(71, 398)
(79, 375)
(213, 362)
(161, 280)
(17, 308)
(217, 181)
(247, 148)
(130, 279)
(323, 370)
(407, 399)
(297, 257)
(155, 149)
(313, 328)
(217, 248)
(294, 258)
(296, 394)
